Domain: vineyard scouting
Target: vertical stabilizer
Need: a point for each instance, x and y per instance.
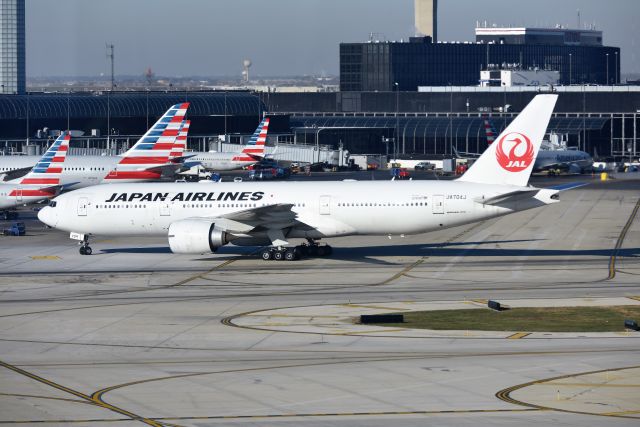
(254, 150)
(509, 160)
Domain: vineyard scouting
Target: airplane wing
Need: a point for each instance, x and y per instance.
(272, 220)
(14, 174)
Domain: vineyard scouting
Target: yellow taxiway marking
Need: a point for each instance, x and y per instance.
(621, 413)
(80, 395)
(518, 335)
(45, 257)
(634, 298)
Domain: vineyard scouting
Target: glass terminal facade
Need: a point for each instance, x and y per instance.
(377, 66)
(12, 47)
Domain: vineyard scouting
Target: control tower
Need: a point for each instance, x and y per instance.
(427, 18)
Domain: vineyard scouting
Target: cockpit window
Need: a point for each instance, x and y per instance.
(52, 203)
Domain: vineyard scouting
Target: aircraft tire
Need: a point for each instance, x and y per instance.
(267, 255)
(290, 255)
(278, 255)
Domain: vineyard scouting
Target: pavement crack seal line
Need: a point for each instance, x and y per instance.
(410, 267)
(82, 396)
(505, 394)
(623, 233)
(98, 395)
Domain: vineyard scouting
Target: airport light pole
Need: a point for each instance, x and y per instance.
(570, 69)
(607, 67)
(450, 120)
(615, 76)
(397, 136)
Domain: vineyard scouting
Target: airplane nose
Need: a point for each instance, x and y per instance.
(46, 215)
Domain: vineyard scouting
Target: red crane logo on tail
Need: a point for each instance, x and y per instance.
(519, 149)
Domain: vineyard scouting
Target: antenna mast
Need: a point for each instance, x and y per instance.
(111, 56)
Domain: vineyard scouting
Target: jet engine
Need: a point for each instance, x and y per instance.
(193, 236)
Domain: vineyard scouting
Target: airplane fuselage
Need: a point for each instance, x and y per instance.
(78, 171)
(571, 160)
(323, 209)
(217, 162)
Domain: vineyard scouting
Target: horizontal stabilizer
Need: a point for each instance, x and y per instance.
(513, 196)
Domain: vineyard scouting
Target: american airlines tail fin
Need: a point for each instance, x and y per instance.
(151, 150)
(181, 141)
(254, 150)
(44, 178)
(509, 161)
(489, 131)
(48, 170)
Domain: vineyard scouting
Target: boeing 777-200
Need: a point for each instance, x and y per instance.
(200, 218)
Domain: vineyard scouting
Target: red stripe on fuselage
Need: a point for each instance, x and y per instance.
(144, 160)
(133, 175)
(46, 181)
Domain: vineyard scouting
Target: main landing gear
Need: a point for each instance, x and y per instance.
(310, 249)
(85, 249)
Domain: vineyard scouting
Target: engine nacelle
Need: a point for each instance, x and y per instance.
(195, 236)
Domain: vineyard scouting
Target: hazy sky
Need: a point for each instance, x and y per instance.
(281, 37)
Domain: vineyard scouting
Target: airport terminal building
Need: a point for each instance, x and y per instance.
(599, 119)
(578, 55)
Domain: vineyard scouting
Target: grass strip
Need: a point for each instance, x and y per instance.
(530, 319)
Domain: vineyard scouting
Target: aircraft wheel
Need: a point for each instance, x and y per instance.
(87, 250)
(290, 255)
(278, 255)
(82, 251)
(267, 254)
(312, 250)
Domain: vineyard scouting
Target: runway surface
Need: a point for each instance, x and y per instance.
(136, 335)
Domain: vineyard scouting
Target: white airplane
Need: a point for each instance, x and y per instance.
(551, 158)
(251, 154)
(42, 182)
(147, 160)
(200, 219)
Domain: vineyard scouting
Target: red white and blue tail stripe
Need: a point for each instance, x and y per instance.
(181, 142)
(254, 150)
(144, 160)
(45, 175)
(490, 132)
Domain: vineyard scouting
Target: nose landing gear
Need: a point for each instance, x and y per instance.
(85, 249)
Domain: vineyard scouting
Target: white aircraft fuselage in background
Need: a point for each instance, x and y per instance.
(221, 161)
(81, 171)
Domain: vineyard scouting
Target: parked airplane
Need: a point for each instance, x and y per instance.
(42, 182)
(251, 154)
(551, 158)
(198, 220)
(145, 161)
